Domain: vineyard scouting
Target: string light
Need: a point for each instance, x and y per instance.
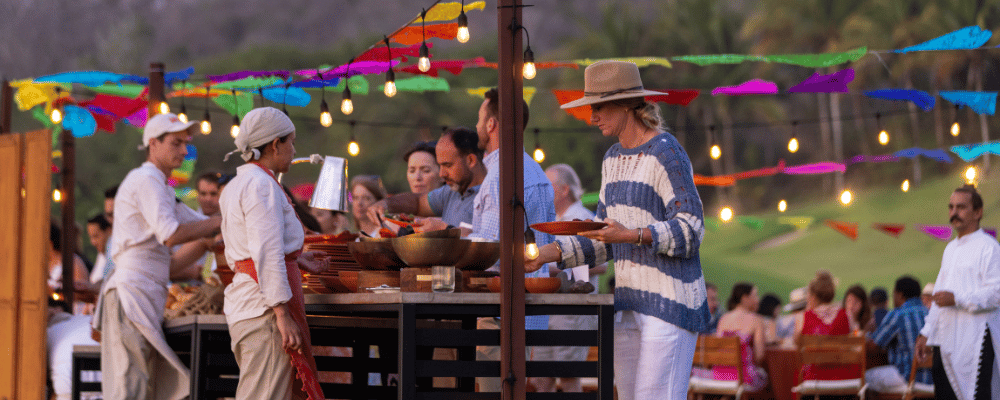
(530, 247)
(352, 147)
(56, 115)
(206, 122)
(905, 186)
(846, 197)
(390, 76)
(424, 63)
(793, 143)
(463, 26)
(883, 135)
(164, 107)
(726, 214)
(715, 151)
(528, 71)
(955, 129)
(235, 129)
(56, 195)
(346, 105)
(325, 118)
(183, 114)
(539, 154)
(970, 175)
(782, 205)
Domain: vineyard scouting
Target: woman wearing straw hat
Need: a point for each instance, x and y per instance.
(264, 305)
(654, 216)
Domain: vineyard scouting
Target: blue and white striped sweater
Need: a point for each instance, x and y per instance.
(651, 186)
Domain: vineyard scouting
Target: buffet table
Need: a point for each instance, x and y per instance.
(402, 328)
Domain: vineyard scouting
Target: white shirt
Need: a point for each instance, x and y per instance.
(577, 211)
(970, 269)
(258, 223)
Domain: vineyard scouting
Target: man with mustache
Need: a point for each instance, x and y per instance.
(966, 307)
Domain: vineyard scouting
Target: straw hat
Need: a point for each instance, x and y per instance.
(796, 299)
(610, 80)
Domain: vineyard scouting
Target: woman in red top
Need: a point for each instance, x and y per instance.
(823, 317)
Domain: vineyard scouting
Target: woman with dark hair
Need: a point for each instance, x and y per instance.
(768, 310)
(422, 169)
(743, 322)
(859, 311)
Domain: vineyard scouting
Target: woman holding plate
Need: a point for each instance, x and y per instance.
(655, 228)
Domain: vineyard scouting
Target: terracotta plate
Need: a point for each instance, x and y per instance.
(567, 227)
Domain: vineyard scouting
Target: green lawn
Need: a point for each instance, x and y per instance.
(875, 259)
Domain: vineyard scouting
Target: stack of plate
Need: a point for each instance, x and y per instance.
(340, 260)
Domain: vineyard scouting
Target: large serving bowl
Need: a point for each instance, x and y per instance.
(453, 233)
(427, 252)
(479, 256)
(376, 254)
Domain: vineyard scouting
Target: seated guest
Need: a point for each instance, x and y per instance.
(823, 317)
(768, 311)
(897, 334)
(796, 306)
(713, 306)
(742, 321)
(880, 301)
(64, 331)
(858, 312)
(99, 232)
(81, 277)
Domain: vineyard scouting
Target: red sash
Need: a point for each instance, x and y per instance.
(302, 360)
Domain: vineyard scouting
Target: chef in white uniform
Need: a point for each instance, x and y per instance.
(136, 362)
(964, 321)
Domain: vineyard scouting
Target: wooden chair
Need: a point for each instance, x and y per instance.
(714, 351)
(832, 351)
(914, 389)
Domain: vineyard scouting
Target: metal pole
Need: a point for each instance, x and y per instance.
(8, 99)
(512, 357)
(68, 239)
(155, 88)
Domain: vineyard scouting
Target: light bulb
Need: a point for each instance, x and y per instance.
(463, 28)
(346, 107)
(782, 206)
(955, 129)
(353, 149)
(726, 214)
(531, 250)
(846, 197)
(390, 88)
(906, 185)
(206, 127)
(56, 296)
(164, 107)
(234, 130)
(529, 70)
(56, 116)
(56, 195)
(325, 119)
(970, 175)
(183, 117)
(883, 137)
(715, 152)
(539, 155)
(424, 64)
(793, 145)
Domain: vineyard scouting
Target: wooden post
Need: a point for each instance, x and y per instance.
(68, 210)
(512, 357)
(155, 88)
(8, 99)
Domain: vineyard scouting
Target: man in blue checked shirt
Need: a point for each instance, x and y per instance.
(898, 334)
(539, 206)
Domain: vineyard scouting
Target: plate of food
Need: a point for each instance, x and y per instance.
(567, 227)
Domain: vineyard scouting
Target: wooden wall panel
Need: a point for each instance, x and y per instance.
(33, 310)
(10, 205)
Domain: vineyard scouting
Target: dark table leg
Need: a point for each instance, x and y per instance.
(605, 355)
(407, 352)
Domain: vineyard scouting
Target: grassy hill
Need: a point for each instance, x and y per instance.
(730, 254)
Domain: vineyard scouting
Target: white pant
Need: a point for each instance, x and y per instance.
(885, 379)
(652, 358)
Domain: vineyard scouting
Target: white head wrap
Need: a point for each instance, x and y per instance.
(259, 127)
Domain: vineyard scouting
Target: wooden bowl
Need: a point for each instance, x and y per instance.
(349, 279)
(453, 233)
(531, 285)
(428, 252)
(336, 285)
(479, 256)
(375, 255)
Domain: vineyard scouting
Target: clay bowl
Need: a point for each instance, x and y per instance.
(454, 233)
(531, 285)
(375, 254)
(349, 280)
(421, 252)
(336, 285)
(479, 256)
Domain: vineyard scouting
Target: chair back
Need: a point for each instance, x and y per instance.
(719, 351)
(831, 351)
(918, 365)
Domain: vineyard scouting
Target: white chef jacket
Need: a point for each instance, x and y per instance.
(970, 269)
(258, 223)
(147, 213)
